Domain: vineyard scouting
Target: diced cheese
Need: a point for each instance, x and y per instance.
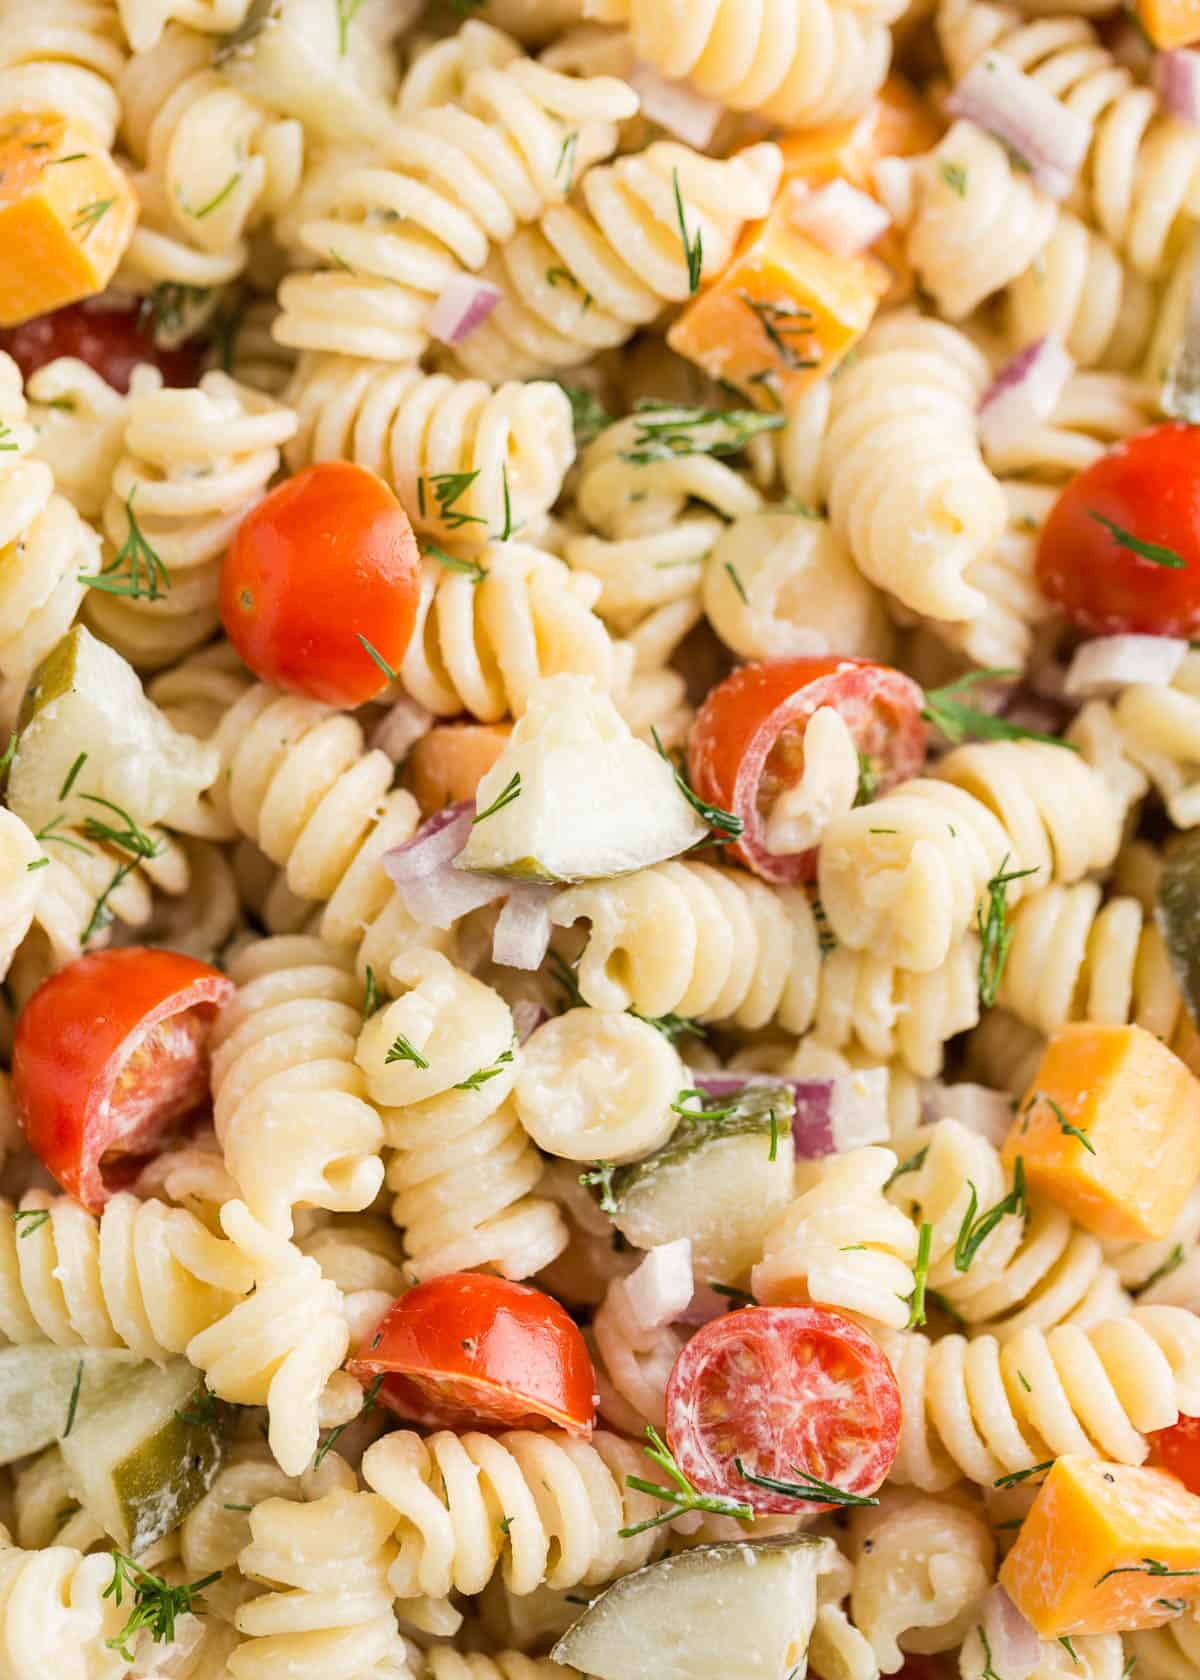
(1170, 23)
(1100, 1548)
(897, 123)
(1137, 1105)
(449, 763)
(67, 212)
(782, 315)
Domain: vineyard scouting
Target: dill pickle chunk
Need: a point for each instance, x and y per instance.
(37, 1382)
(1177, 912)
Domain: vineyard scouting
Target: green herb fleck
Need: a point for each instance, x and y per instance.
(156, 1606)
(974, 1232)
(73, 1403)
(956, 721)
(693, 251)
(682, 1495)
(721, 822)
(30, 1220)
(510, 791)
(1019, 1476)
(400, 1050)
(916, 1301)
(145, 577)
(955, 177)
(1147, 550)
(995, 931)
(377, 657)
(807, 1486)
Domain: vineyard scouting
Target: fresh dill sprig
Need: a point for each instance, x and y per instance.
(995, 930)
(156, 1606)
(400, 1050)
(807, 1486)
(137, 569)
(693, 249)
(957, 720)
(682, 1495)
(973, 1232)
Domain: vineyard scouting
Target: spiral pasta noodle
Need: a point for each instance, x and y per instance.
(1095, 410)
(719, 946)
(908, 490)
(633, 1364)
(803, 62)
(193, 463)
(590, 273)
(212, 163)
(1004, 636)
(442, 1663)
(145, 20)
(79, 421)
(565, 1501)
(45, 1513)
(450, 182)
(289, 1104)
(54, 1615)
(1149, 734)
(65, 55)
(424, 433)
(805, 1257)
(463, 1166)
(1078, 287)
(902, 877)
(1095, 1392)
(1167, 1653)
(327, 1564)
(1141, 168)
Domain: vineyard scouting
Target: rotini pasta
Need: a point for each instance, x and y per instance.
(1078, 287)
(1156, 730)
(463, 1166)
(1095, 411)
(1094, 1392)
(1167, 1653)
(902, 876)
(633, 1364)
(289, 1104)
(425, 433)
(450, 182)
(145, 20)
(585, 278)
(193, 463)
(66, 55)
(1003, 637)
(79, 422)
(908, 490)
(55, 1617)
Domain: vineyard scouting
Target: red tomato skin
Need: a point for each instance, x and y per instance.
(326, 557)
(473, 1351)
(778, 1397)
(73, 1039)
(110, 341)
(1149, 485)
(743, 716)
(1177, 1449)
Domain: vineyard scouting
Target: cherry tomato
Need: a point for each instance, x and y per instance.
(110, 1053)
(1092, 559)
(790, 1391)
(112, 341)
(471, 1351)
(747, 743)
(1177, 1449)
(323, 565)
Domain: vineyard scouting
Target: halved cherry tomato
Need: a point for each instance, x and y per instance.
(323, 566)
(471, 1351)
(747, 743)
(790, 1392)
(1121, 548)
(110, 1053)
(1177, 1449)
(112, 341)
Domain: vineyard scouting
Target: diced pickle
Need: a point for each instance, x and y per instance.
(1178, 915)
(37, 1381)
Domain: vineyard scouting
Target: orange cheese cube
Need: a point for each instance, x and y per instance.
(1105, 1548)
(447, 764)
(67, 213)
(782, 315)
(1170, 23)
(1137, 1106)
(897, 123)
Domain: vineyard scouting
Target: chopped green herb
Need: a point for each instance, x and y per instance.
(955, 177)
(995, 931)
(156, 1606)
(1067, 1646)
(371, 1000)
(1147, 550)
(773, 1152)
(665, 432)
(974, 1232)
(693, 251)
(681, 1496)
(73, 1403)
(347, 11)
(378, 658)
(232, 1507)
(868, 781)
(600, 1177)
(10, 752)
(91, 215)
(956, 721)
(452, 563)
(1064, 1125)
(913, 1164)
(588, 416)
(1148, 1566)
(203, 1412)
(565, 167)
(505, 1525)
(989, 1673)
(510, 791)
(448, 489)
(8, 443)
(1172, 1263)
(722, 822)
(672, 1027)
(807, 1487)
(38, 863)
(400, 1050)
(1019, 1476)
(740, 1297)
(217, 199)
(509, 528)
(70, 778)
(1129, 1668)
(737, 583)
(145, 575)
(1024, 1382)
(780, 322)
(482, 1075)
(916, 1301)
(30, 1220)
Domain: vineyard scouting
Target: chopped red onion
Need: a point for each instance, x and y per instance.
(522, 935)
(1176, 77)
(400, 728)
(1108, 664)
(830, 1115)
(660, 1287)
(977, 1107)
(528, 1017)
(676, 106)
(1052, 139)
(447, 894)
(1026, 391)
(837, 216)
(464, 304)
(438, 841)
(1015, 1647)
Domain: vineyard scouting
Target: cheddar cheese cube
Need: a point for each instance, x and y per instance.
(1110, 1130)
(1170, 23)
(448, 763)
(67, 212)
(782, 315)
(1106, 1548)
(897, 123)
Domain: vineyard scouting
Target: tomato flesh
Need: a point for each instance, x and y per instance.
(111, 341)
(1147, 489)
(471, 1351)
(785, 1390)
(111, 1053)
(323, 571)
(1177, 1449)
(747, 743)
